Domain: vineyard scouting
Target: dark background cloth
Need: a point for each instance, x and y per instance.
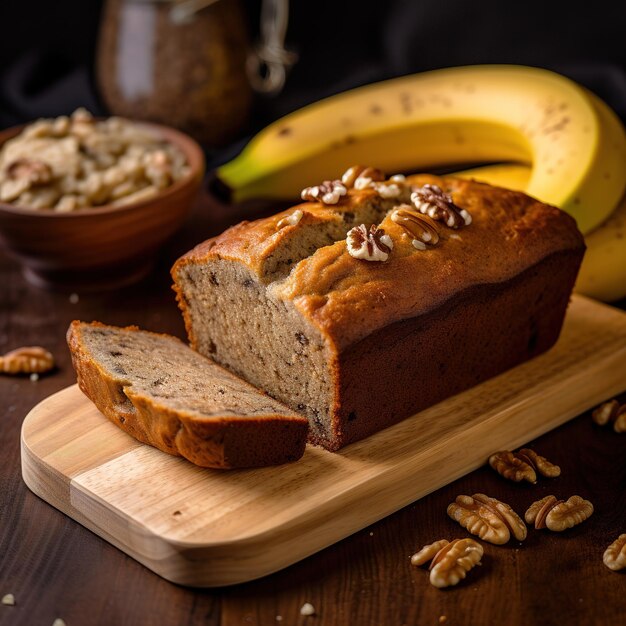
(47, 48)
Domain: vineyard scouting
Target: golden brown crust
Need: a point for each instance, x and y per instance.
(348, 298)
(222, 442)
(481, 332)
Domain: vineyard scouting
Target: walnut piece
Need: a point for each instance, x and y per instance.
(329, 192)
(619, 425)
(428, 552)
(361, 177)
(450, 561)
(523, 465)
(564, 515)
(615, 555)
(558, 515)
(507, 464)
(490, 519)
(290, 220)
(372, 245)
(421, 229)
(453, 561)
(611, 411)
(434, 202)
(387, 189)
(28, 360)
(33, 171)
(539, 463)
(537, 511)
(605, 413)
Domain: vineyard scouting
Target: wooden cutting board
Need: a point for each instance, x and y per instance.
(208, 528)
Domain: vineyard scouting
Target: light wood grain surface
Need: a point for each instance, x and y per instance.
(206, 528)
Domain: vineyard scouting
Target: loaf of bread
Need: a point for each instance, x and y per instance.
(163, 393)
(379, 297)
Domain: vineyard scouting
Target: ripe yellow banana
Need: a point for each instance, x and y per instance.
(603, 272)
(474, 114)
(510, 175)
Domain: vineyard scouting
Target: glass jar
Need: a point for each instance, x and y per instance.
(176, 62)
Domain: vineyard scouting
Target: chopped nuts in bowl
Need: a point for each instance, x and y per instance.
(87, 203)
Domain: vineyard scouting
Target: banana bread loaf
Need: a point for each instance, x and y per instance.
(379, 297)
(163, 393)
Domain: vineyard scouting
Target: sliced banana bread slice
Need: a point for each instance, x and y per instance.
(163, 393)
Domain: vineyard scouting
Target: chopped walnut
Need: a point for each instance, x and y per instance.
(387, 189)
(33, 171)
(537, 511)
(361, 177)
(611, 411)
(25, 179)
(329, 192)
(8, 599)
(558, 515)
(290, 220)
(158, 168)
(428, 552)
(29, 360)
(539, 463)
(432, 201)
(615, 555)
(570, 513)
(397, 178)
(490, 519)
(451, 561)
(374, 245)
(522, 465)
(420, 228)
(605, 413)
(507, 464)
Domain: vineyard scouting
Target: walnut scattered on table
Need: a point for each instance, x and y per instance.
(615, 555)
(611, 412)
(28, 360)
(558, 515)
(490, 519)
(450, 561)
(523, 465)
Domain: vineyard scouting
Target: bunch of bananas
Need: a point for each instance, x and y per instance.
(552, 139)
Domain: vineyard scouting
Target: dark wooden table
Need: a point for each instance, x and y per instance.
(56, 568)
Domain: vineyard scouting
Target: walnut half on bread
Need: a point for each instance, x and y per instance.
(476, 282)
(161, 392)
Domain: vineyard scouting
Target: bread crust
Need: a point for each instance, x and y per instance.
(330, 287)
(221, 442)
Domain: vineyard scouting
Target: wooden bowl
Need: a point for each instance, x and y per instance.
(101, 247)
